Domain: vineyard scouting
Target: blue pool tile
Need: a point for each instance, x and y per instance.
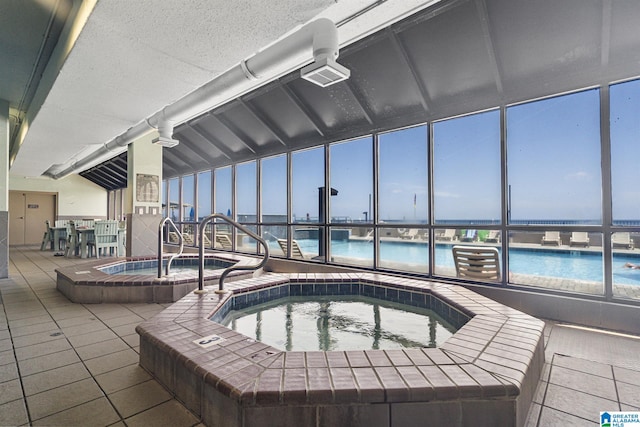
(380, 292)
(319, 289)
(295, 289)
(333, 289)
(368, 290)
(393, 295)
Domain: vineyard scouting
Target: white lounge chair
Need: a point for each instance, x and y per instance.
(622, 239)
(551, 238)
(296, 252)
(449, 235)
(476, 262)
(579, 238)
(410, 234)
(493, 237)
(225, 241)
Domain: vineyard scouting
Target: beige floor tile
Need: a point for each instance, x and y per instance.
(13, 414)
(579, 404)
(59, 399)
(98, 412)
(581, 381)
(31, 321)
(132, 340)
(86, 328)
(42, 349)
(139, 398)
(8, 372)
(47, 362)
(122, 378)
(6, 345)
(550, 418)
(628, 376)
(38, 338)
(33, 329)
(101, 348)
(112, 361)
(53, 378)
(10, 390)
(125, 330)
(123, 320)
(629, 394)
(6, 357)
(92, 338)
(170, 413)
(75, 321)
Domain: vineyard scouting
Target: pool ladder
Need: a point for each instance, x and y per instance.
(228, 270)
(161, 245)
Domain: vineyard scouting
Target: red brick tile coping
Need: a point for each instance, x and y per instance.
(88, 284)
(484, 375)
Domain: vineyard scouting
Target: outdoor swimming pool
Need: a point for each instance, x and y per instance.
(564, 264)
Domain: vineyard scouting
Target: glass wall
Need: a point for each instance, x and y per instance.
(625, 194)
(403, 200)
(466, 183)
(523, 182)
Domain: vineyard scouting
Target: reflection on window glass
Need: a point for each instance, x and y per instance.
(246, 191)
(274, 189)
(625, 151)
(222, 181)
(352, 176)
(188, 210)
(204, 194)
(164, 198)
(553, 151)
(307, 177)
(403, 195)
(466, 169)
(174, 199)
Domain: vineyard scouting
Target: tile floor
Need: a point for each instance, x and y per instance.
(77, 364)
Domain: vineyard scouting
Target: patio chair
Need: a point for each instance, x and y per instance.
(187, 239)
(449, 235)
(47, 238)
(622, 240)
(493, 237)
(105, 237)
(470, 236)
(296, 252)
(476, 262)
(410, 234)
(73, 243)
(225, 241)
(551, 238)
(579, 238)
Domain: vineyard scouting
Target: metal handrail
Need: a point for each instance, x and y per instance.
(233, 267)
(161, 244)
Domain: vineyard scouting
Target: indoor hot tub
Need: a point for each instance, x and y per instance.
(485, 372)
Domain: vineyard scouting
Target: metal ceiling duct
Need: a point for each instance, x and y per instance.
(281, 57)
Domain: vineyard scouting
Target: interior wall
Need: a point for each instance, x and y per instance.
(77, 197)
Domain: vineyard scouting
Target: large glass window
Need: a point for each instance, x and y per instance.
(188, 193)
(204, 194)
(466, 169)
(625, 152)
(307, 178)
(403, 195)
(274, 189)
(554, 172)
(352, 176)
(174, 199)
(223, 199)
(246, 189)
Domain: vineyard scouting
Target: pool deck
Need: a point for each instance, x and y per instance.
(63, 363)
(485, 374)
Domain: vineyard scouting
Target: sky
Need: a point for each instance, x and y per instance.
(553, 167)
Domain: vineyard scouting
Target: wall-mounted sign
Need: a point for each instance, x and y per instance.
(147, 188)
(33, 206)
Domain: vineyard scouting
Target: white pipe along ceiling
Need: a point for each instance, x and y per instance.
(316, 40)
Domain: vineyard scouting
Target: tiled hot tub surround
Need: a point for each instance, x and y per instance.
(485, 374)
(90, 283)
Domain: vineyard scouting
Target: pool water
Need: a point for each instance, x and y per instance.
(150, 267)
(577, 265)
(339, 323)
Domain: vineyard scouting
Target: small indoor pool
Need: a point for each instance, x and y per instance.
(339, 323)
(150, 266)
